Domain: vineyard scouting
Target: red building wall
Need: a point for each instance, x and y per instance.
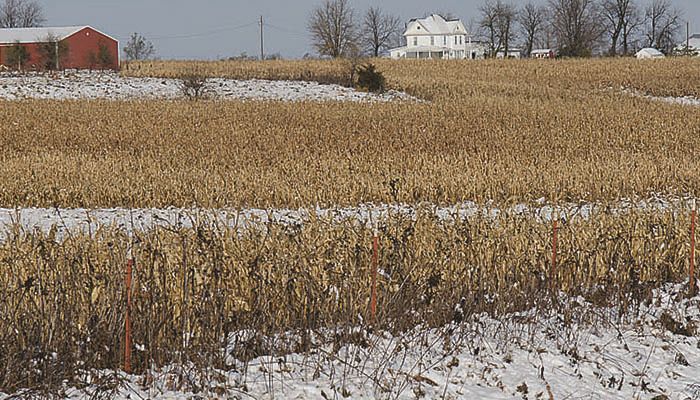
(83, 48)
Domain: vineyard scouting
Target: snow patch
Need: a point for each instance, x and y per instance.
(595, 354)
(66, 220)
(74, 85)
(683, 100)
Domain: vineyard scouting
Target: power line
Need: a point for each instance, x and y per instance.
(199, 34)
(207, 33)
(285, 30)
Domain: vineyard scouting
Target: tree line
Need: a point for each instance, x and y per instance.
(574, 28)
(580, 28)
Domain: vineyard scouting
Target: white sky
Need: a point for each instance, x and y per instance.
(212, 29)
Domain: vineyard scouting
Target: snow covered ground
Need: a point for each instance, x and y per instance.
(110, 85)
(654, 354)
(143, 219)
(684, 100)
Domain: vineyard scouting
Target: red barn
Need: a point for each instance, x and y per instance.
(78, 47)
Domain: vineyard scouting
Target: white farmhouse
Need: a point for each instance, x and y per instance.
(434, 37)
(694, 42)
(693, 45)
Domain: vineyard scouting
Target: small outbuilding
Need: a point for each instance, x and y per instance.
(73, 47)
(512, 53)
(649, 53)
(543, 53)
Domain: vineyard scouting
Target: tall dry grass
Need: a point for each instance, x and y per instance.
(63, 302)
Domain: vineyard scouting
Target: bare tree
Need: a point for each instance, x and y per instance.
(497, 20)
(662, 25)
(633, 22)
(506, 21)
(489, 23)
(621, 18)
(379, 31)
(531, 19)
(21, 14)
(333, 30)
(138, 48)
(576, 26)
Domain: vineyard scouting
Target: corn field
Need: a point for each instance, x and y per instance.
(509, 132)
(497, 133)
(193, 288)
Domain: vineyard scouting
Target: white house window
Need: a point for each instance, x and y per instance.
(460, 40)
(455, 39)
(415, 41)
(444, 40)
(432, 40)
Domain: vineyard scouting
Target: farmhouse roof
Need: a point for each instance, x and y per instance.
(36, 35)
(437, 25)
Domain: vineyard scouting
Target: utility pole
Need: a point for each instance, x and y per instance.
(262, 41)
(687, 36)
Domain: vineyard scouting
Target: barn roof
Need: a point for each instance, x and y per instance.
(34, 35)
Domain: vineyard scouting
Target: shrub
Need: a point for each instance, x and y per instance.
(17, 56)
(370, 79)
(104, 57)
(194, 84)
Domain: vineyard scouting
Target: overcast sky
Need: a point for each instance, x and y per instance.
(212, 29)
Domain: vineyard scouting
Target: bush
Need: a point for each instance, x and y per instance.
(370, 79)
(194, 85)
(17, 56)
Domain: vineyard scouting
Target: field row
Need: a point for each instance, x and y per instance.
(452, 80)
(204, 283)
(482, 148)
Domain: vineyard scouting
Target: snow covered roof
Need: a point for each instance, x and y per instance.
(435, 24)
(649, 52)
(693, 44)
(33, 35)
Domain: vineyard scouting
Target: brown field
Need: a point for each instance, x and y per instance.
(511, 132)
(508, 132)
